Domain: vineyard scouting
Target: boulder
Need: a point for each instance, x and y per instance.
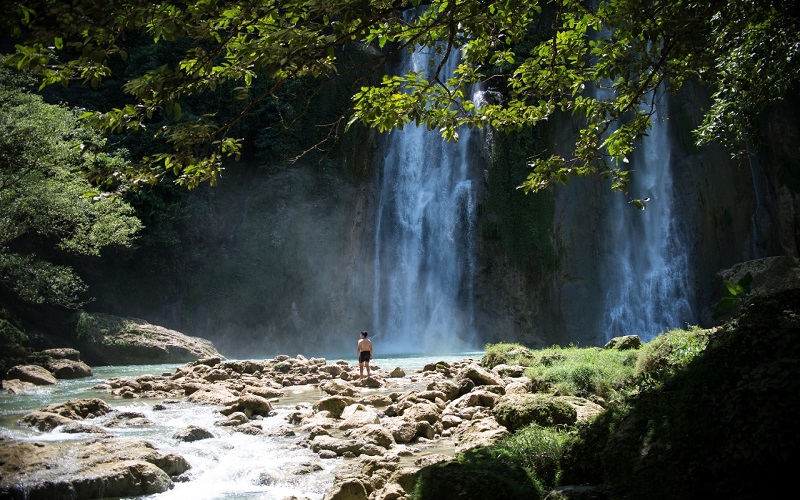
(478, 432)
(769, 275)
(192, 433)
(403, 430)
(475, 398)
(373, 434)
(349, 489)
(520, 410)
(103, 468)
(513, 371)
(68, 368)
(264, 392)
(212, 395)
(448, 387)
(479, 376)
(44, 421)
(585, 409)
(250, 405)
(33, 374)
(371, 382)
(397, 372)
(127, 419)
(344, 446)
(357, 416)
(80, 409)
(16, 386)
(62, 353)
(338, 387)
(623, 343)
(427, 412)
(334, 405)
(112, 340)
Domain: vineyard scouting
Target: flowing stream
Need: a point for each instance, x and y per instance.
(232, 465)
(424, 241)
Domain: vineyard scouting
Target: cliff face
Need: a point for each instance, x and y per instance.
(284, 260)
(724, 212)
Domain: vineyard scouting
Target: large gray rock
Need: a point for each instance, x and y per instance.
(107, 339)
(62, 353)
(79, 409)
(481, 432)
(479, 376)
(33, 374)
(769, 275)
(16, 386)
(68, 368)
(192, 433)
(350, 489)
(104, 468)
(335, 405)
(58, 414)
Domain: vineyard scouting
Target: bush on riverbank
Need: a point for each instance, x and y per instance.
(692, 414)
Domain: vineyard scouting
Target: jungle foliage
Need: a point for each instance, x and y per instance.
(604, 62)
(48, 208)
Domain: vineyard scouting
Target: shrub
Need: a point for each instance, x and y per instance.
(537, 449)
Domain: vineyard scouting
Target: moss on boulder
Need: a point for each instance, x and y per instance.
(112, 340)
(520, 410)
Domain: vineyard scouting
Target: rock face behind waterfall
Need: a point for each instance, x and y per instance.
(107, 339)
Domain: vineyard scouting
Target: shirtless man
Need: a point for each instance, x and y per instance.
(364, 354)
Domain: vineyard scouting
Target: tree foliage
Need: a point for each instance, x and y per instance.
(47, 205)
(606, 62)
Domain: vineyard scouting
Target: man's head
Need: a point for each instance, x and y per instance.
(364, 335)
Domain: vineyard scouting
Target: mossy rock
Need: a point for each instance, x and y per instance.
(520, 410)
(506, 354)
(475, 476)
(114, 340)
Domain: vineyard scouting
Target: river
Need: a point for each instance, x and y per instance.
(232, 465)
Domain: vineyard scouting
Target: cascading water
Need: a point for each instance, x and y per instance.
(647, 289)
(424, 255)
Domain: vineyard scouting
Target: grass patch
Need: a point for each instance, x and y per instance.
(583, 372)
(691, 414)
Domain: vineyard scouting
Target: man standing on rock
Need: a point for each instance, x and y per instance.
(364, 354)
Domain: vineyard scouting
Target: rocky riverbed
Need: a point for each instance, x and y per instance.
(380, 430)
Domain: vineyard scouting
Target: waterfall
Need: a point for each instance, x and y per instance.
(424, 240)
(647, 288)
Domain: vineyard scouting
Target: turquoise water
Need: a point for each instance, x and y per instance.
(231, 465)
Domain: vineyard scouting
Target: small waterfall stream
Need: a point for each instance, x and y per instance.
(647, 289)
(424, 255)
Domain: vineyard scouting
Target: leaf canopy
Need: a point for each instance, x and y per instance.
(606, 62)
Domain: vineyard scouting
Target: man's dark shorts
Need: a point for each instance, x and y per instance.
(364, 356)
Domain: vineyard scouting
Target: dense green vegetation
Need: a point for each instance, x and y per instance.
(744, 52)
(49, 208)
(693, 414)
(49, 211)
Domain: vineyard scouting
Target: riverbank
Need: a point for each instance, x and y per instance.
(695, 413)
(265, 455)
